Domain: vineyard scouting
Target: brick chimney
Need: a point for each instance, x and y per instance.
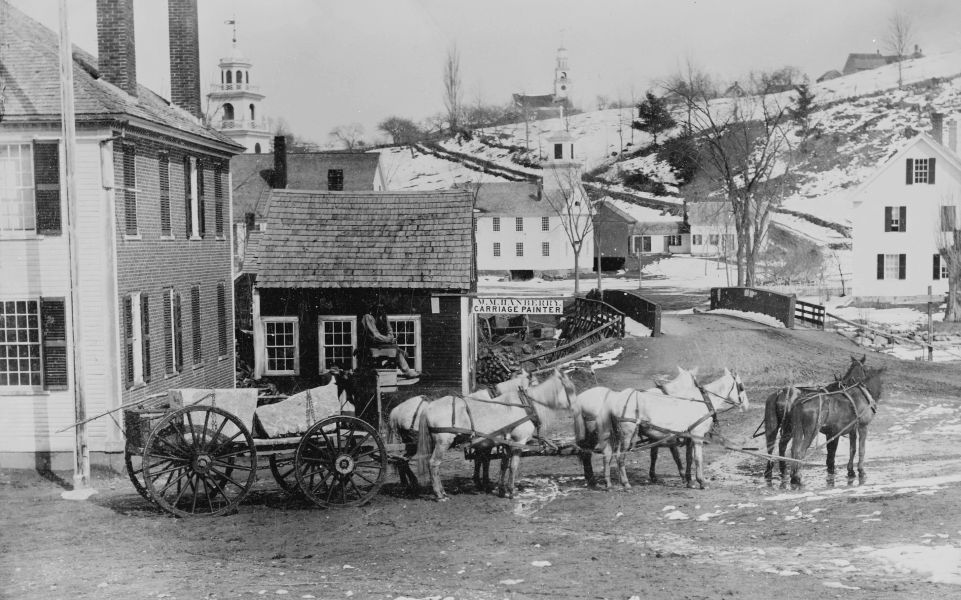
(279, 179)
(116, 48)
(937, 126)
(184, 55)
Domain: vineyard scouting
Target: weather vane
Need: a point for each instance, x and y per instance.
(233, 22)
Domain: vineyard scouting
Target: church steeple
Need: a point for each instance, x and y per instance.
(235, 103)
(562, 76)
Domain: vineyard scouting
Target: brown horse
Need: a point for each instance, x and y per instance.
(846, 411)
(778, 405)
(509, 420)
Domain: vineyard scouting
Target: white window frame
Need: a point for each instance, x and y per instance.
(194, 200)
(495, 224)
(136, 323)
(519, 249)
(519, 223)
(9, 387)
(22, 186)
(545, 223)
(892, 266)
(392, 321)
(296, 333)
(697, 239)
(714, 239)
(637, 244)
(545, 248)
(922, 170)
(322, 349)
(894, 220)
(497, 249)
(674, 240)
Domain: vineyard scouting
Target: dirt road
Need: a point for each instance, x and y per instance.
(896, 535)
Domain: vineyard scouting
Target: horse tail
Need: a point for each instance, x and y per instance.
(580, 427)
(772, 420)
(425, 444)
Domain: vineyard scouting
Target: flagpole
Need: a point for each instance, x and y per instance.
(81, 451)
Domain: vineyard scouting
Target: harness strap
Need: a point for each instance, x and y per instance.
(413, 420)
(528, 404)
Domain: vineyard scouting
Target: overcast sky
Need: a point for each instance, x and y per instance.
(325, 63)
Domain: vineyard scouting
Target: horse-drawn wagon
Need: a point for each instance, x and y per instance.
(197, 451)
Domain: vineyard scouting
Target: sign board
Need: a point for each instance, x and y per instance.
(518, 306)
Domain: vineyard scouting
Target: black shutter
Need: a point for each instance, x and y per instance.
(909, 171)
(188, 200)
(168, 333)
(54, 339)
(201, 213)
(178, 333)
(163, 170)
(931, 170)
(936, 275)
(218, 202)
(903, 217)
(129, 185)
(902, 266)
(128, 340)
(145, 334)
(880, 266)
(222, 318)
(46, 186)
(195, 324)
(887, 217)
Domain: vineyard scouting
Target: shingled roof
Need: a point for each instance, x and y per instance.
(305, 171)
(30, 73)
(419, 240)
(512, 199)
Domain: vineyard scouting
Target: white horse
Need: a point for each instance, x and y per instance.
(404, 417)
(683, 413)
(595, 404)
(509, 420)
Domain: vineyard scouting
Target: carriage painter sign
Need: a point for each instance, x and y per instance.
(518, 306)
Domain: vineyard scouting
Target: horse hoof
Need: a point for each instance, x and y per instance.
(443, 499)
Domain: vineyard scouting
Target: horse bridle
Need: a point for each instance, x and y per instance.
(735, 384)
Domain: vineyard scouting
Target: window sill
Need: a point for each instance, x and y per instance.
(25, 391)
(196, 238)
(21, 235)
(171, 375)
(136, 237)
(137, 386)
(221, 238)
(279, 373)
(167, 237)
(197, 366)
(224, 357)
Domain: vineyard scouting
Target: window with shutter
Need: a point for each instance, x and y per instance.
(222, 318)
(178, 330)
(189, 174)
(168, 332)
(895, 218)
(129, 189)
(128, 341)
(201, 209)
(195, 324)
(20, 344)
(163, 171)
(218, 202)
(145, 335)
(922, 170)
(46, 179)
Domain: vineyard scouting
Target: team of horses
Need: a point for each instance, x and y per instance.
(676, 412)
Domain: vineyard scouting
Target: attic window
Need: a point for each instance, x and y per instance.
(335, 180)
(920, 170)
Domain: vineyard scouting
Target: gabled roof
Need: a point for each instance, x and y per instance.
(863, 62)
(512, 199)
(30, 73)
(896, 158)
(642, 215)
(828, 75)
(711, 212)
(541, 101)
(252, 174)
(418, 240)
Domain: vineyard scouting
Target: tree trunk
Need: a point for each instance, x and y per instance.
(577, 271)
(952, 313)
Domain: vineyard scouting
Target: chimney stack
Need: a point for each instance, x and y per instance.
(953, 135)
(937, 126)
(184, 55)
(116, 47)
(279, 179)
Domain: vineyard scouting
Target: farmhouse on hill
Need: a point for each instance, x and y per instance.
(152, 226)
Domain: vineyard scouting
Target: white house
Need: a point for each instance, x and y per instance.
(898, 215)
(522, 227)
(712, 228)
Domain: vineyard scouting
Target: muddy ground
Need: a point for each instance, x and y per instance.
(895, 535)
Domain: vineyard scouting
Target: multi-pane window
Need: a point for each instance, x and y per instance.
(713, 239)
(496, 222)
(20, 344)
(519, 224)
(545, 248)
(338, 338)
(195, 324)
(281, 345)
(697, 239)
(545, 223)
(892, 266)
(895, 218)
(163, 169)
(921, 170)
(130, 189)
(407, 331)
(335, 180)
(640, 244)
(519, 249)
(940, 268)
(673, 240)
(497, 248)
(17, 208)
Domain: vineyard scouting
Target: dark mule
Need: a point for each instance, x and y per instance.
(846, 411)
(778, 405)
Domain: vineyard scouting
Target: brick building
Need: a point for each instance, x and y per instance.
(153, 228)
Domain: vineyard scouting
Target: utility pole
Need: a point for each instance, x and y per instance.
(81, 467)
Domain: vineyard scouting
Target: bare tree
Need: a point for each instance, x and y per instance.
(744, 146)
(452, 88)
(948, 238)
(349, 136)
(898, 39)
(568, 200)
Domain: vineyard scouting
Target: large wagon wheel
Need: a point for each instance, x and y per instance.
(282, 468)
(341, 461)
(199, 460)
(133, 460)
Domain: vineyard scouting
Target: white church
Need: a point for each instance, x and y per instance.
(235, 103)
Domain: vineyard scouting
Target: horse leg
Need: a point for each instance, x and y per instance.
(486, 470)
(586, 456)
(436, 457)
(676, 454)
(862, 439)
(832, 450)
(689, 452)
(650, 474)
(607, 457)
(698, 465)
(782, 448)
(502, 483)
(799, 444)
(853, 438)
(622, 467)
(515, 463)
